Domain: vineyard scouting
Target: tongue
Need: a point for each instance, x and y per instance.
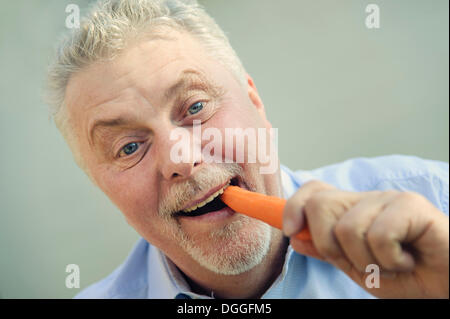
(212, 206)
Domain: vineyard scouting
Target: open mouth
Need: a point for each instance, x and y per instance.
(212, 204)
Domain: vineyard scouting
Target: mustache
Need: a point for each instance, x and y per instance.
(183, 192)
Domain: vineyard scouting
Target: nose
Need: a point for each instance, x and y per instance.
(174, 167)
(178, 171)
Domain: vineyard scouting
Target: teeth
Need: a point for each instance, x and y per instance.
(206, 201)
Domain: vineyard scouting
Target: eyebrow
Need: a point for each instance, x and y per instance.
(122, 120)
(189, 79)
(119, 121)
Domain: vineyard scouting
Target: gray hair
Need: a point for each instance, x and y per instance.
(106, 31)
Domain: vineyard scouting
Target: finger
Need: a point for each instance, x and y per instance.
(352, 227)
(398, 225)
(322, 211)
(305, 247)
(293, 215)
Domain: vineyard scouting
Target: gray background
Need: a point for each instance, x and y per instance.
(334, 88)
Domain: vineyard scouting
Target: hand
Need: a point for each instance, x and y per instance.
(401, 232)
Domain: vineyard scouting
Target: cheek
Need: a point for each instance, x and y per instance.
(133, 193)
(232, 115)
(136, 196)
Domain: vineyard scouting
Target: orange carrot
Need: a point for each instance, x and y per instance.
(268, 209)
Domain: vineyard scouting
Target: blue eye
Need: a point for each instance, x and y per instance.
(129, 149)
(195, 108)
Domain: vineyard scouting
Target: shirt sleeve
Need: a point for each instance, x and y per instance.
(394, 172)
(426, 177)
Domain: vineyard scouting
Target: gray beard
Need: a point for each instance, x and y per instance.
(232, 250)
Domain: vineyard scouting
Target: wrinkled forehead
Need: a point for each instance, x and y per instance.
(150, 66)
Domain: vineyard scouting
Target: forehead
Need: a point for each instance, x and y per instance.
(149, 66)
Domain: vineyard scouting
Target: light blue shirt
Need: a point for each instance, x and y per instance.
(147, 273)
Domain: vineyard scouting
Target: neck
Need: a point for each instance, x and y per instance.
(251, 284)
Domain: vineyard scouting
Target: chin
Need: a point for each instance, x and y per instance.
(231, 250)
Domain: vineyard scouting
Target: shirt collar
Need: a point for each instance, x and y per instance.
(161, 282)
(165, 281)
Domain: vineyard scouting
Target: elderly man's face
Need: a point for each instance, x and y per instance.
(123, 112)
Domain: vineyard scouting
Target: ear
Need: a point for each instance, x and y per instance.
(256, 100)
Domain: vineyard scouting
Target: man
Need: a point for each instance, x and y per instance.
(139, 70)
